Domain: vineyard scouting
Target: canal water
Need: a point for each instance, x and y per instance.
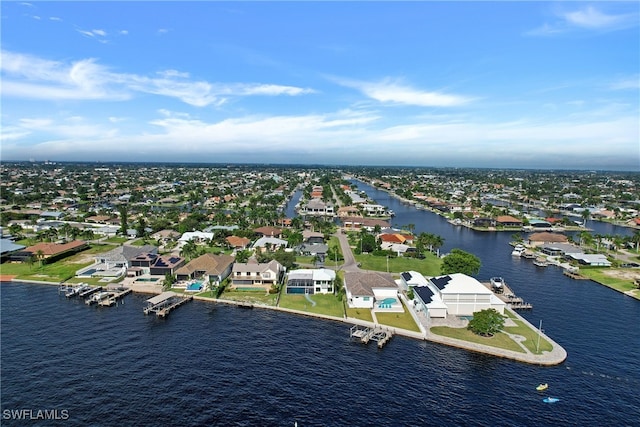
(210, 364)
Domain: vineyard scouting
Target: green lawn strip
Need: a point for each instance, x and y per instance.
(329, 304)
(116, 239)
(58, 271)
(500, 340)
(360, 313)
(254, 297)
(600, 276)
(430, 266)
(55, 272)
(531, 336)
(398, 320)
(304, 260)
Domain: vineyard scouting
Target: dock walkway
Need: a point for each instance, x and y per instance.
(508, 297)
(164, 303)
(366, 334)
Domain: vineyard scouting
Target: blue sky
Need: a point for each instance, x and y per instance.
(463, 84)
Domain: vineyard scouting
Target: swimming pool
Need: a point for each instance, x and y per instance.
(387, 303)
(194, 287)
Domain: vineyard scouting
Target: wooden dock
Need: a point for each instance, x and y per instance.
(508, 297)
(366, 334)
(114, 297)
(164, 303)
(90, 291)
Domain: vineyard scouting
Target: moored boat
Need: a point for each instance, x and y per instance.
(497, 283)
(550, 399)
(518, 250)
(542, 387)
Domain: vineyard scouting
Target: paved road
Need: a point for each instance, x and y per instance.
(350, 263)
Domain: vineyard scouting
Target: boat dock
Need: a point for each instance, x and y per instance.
(114, 297)
(164, 303)
(75, 290)
(90, 291)
(366, 334)
(507, 296)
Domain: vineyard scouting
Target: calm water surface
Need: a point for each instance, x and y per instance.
(210, 364)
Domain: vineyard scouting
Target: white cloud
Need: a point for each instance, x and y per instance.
(590, 17)
(586, 18)
(32, 77)
(54, 18)
(390, 91)
(98, 34)
(626, 83)
(344, 136)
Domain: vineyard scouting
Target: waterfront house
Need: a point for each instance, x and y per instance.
(317, 207)
(156, 265)
(484, 222)
(256, 276)
(454, 294)
(214, 268)
(120, 258)
(371, 290)
(7, 248)
(48, 252)
(358, 223)
(540, 239)
(310, 281)
(508, 221)
(426, 296)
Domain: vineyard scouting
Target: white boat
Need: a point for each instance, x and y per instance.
(518, 250)
(540, 262)
(497, 283)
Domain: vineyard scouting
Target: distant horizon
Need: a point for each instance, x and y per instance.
(307, 165)
(524, 85)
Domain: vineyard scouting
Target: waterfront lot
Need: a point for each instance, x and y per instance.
(330, 305)
(430, 266)
(398, 320)
(58, 271)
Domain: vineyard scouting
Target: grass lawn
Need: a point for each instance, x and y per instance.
(360, 313)
(58, 271)
(430, 266)
(116, 239)
(621, 284)
(499, 340)
(329, 305)
(531, 336)
(398, 320)
(253, 297)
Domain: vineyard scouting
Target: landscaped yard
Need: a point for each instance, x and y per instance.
(398, 320)
(360, 313)
(58, 271)
(619, 279)
(499, 340)
(252, 297)
(430, 266)
(531, 336)
(329, 304)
